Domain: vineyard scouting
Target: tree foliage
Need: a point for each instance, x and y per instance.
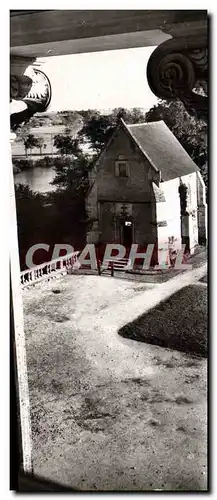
(23, 132)
(30, 219)
(71, 173)
(30, 142)
(97, 127)
(54, 217)
(191, 132)
(66, 144)
(96, 130)
(69, 118)
(41, 144)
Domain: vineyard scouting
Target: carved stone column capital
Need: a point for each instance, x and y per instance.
(19, 86)
(177, 68)
(29, 85)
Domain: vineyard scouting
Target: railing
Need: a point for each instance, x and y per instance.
(111, 266)
(49, 270)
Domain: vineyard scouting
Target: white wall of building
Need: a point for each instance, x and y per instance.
(170, 212)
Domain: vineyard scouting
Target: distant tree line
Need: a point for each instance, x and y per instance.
(94, 129)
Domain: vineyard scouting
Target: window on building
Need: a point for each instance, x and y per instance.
(122, 169)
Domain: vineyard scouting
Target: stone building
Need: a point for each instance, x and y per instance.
(144, 188)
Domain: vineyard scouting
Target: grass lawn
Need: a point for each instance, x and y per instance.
(179, 322)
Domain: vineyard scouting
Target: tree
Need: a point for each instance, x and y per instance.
(134, 115)
(68, 199)
(30, 142)
(39, 121)
(66, 144)
(72, 120)
(23, 132)
(68, 117)
(97, 128)
(31, 220)
(72, 174)
(41, 144)
(191, 132)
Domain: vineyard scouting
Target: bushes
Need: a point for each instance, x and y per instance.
(22, 164)
(45, 162)
(16, 169)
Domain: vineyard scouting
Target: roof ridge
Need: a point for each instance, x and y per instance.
(139, 145)
(144, 123)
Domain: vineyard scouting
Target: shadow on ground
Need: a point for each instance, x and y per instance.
(179, 322)
(204, 279)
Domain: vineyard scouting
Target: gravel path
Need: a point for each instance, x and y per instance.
(111, 414)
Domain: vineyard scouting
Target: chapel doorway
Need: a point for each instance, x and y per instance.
(127, 234)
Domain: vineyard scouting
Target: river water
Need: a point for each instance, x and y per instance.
(38, 179)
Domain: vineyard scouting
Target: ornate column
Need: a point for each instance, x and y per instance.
(30, 92)
(20, 389)
(178, 68)
(30, 89)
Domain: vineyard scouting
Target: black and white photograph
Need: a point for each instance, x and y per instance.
(109, 201)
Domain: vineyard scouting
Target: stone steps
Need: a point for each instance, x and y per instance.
(118, 265)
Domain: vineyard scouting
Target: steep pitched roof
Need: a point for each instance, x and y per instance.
(163, 150)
